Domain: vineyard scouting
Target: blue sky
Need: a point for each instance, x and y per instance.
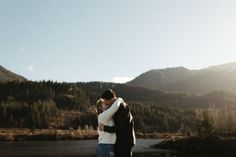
(107, 40)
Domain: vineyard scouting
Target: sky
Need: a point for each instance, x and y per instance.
(114, 41)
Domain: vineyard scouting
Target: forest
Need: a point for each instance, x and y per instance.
(61, 105)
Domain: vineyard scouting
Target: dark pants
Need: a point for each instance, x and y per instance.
(123, 150)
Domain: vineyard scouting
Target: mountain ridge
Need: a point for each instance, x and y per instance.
(181, 79)
(7, 75)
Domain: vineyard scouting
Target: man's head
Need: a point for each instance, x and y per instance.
(109, 96)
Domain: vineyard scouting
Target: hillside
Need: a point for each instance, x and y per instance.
(48, 104)
(6, 75)
(63, 105)
(180, 79)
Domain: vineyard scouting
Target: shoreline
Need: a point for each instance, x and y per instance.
(27, 134)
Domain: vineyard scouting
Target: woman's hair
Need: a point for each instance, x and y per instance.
(99, 105)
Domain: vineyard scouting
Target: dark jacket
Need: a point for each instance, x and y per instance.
(124, 126)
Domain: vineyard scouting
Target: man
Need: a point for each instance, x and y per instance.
(124, 126)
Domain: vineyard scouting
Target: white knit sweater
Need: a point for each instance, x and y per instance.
(106, 118)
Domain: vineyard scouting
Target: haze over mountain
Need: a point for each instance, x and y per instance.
(7, 75)
(180, 79)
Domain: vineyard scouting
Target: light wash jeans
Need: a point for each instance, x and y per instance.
(105, 150)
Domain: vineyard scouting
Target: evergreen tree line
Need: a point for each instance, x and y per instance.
(62, 105)
(22, 115)
(67, 96)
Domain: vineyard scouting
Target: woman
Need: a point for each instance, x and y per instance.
(106, 141)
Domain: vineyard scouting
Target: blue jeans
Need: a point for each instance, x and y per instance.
(105, 150)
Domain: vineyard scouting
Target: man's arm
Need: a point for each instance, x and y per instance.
(109, 129)
(121, 122)
(106, 115)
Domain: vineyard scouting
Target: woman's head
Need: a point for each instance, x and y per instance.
(101, 106)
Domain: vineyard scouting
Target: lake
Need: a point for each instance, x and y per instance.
(79, 148)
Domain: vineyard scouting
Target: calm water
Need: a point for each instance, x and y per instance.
(80, 148)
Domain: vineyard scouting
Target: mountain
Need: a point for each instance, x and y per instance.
(180, 79)
(147, 96)
(158, 79)
(6, 75)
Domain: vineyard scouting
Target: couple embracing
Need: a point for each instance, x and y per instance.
(116, 136)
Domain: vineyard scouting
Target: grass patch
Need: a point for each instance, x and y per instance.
(45, 134)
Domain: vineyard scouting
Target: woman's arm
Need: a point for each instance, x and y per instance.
(106, 115)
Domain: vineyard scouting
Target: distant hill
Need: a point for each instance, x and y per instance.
(6, 75)
(147, 96)
(130, 93)
(180, 79)
(48, 104)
